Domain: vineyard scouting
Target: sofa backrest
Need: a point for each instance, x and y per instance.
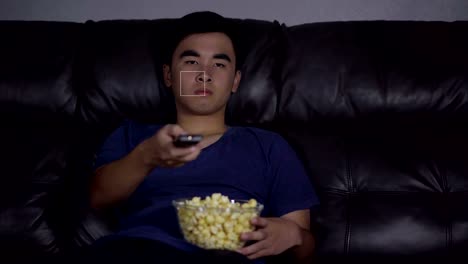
(376, 110)
(121, 72)
(37, 110)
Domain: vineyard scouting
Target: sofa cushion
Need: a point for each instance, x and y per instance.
(378, 110)
(37, 108)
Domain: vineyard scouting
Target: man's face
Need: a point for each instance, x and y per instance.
(203, 73)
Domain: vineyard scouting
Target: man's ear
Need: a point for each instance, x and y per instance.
(167, 75)
(237, 79)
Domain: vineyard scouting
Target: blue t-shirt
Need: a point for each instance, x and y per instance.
(244, 163)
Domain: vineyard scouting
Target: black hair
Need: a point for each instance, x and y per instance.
(202, 22)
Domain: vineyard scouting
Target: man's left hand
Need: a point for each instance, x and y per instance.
(273, 236)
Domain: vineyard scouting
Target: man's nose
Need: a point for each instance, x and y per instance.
(203, 77)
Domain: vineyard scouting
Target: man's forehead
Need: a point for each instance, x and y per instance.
(217, 35)
(207, 42)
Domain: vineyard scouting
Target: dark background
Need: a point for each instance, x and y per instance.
(289, 12)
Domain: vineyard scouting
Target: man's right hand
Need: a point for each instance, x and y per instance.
(117, 180)
(159, 150)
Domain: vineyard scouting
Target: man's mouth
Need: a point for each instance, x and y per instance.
(203, 92)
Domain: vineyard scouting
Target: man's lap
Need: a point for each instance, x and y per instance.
(142, 251)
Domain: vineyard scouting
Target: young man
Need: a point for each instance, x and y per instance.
(140, 171)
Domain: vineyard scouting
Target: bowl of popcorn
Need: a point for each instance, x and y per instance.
(216, 222)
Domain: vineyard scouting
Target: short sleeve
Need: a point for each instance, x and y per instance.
(291, 188)
(115, 147)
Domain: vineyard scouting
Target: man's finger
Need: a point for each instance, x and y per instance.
(175, 130)
(180, 153)
(177, 165)
(255, 235)
(259, 254)
(259, 222)
(171, 163)
(181, 156)
(191, 156)
(252, 249)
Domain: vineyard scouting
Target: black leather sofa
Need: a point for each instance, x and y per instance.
(377, 111)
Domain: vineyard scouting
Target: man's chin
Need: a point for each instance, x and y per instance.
(202, 108)
(202, 111)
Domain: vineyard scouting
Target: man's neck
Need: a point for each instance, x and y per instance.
(204, 125)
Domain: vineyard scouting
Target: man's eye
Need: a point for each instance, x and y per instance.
(191, 62)
(220, 65)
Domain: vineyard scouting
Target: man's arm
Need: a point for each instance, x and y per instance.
(287, 234)
(116, 181)
(304, 250)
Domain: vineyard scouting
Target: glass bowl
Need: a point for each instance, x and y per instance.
(216, 226)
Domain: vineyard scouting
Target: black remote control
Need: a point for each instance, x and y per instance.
(183, 141)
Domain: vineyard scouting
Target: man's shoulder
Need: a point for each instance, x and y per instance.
(138, 130)
(135, 125)
(263, 136)
(257, 131)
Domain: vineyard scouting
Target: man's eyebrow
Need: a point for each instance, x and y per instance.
(222, 56)
(187, 53)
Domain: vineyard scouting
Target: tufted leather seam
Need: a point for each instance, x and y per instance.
(448, 229)
(284, 46)
(450, 235)
(348, 207)
(348, 227)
